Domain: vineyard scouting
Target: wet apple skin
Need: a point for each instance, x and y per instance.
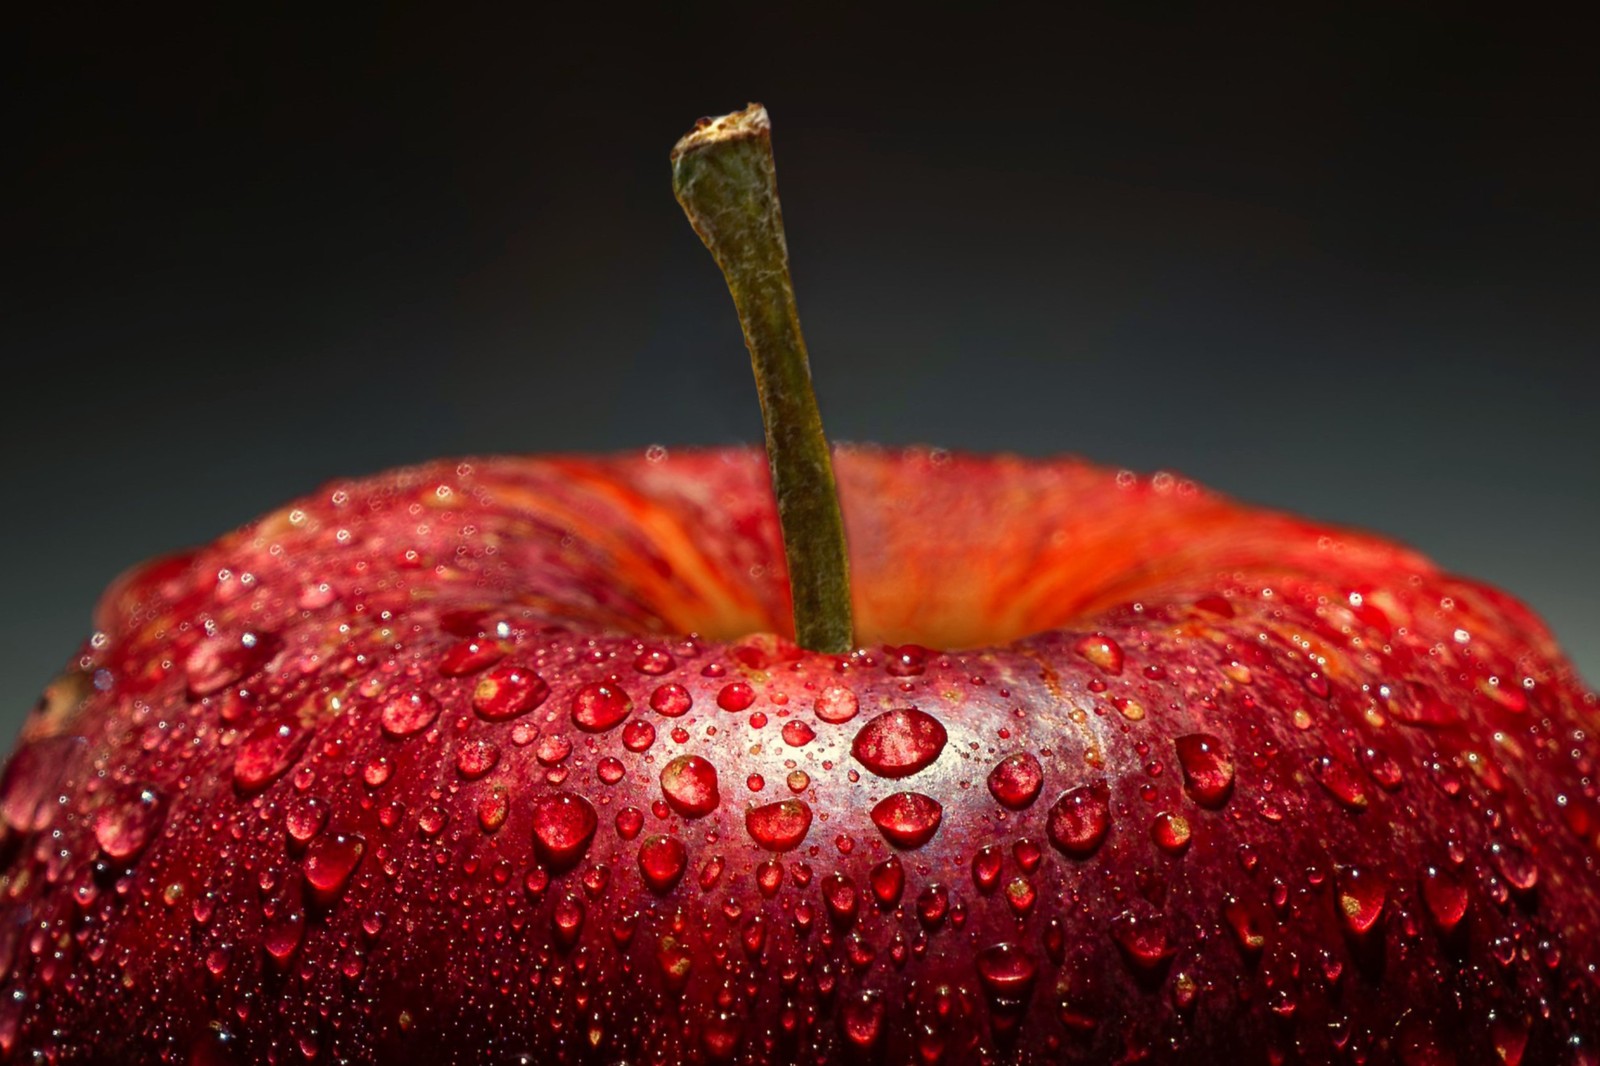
(384, 776)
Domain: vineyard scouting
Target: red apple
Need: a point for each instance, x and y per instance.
(506, 760)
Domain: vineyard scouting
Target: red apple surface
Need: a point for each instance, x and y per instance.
(502, 761)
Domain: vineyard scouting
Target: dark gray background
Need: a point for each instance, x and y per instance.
(1346, 266)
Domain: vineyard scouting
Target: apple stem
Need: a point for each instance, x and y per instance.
(723, 176)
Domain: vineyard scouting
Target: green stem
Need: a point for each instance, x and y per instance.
(722, 174)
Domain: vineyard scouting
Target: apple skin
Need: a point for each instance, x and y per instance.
(416, 770)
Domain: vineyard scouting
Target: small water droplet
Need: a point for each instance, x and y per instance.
(638, 735)
(797, 734)
(671, 700)
(899, 743)
(600, 705)
(1207, 769)
(736, 696)
(779, 826)
(1142, 940)
(986, 867)
(1007, 972)
(861, 1020)
(123, 828)
(654, 662)
(1102, 651)
(1341, 781)
(841, 898)
(888, 881)
(476, 757)
(1080, 819)
(907, 819)
(689, 784)
(268, 752)
(1362, 895)
(1171, 832)
(330, 860)
(837, 704)
(305, 818)
(1015, 782)
(508, 691)
(470, 656)
(408, 713)
(662, 860)
(1446, 898)
(563, 825)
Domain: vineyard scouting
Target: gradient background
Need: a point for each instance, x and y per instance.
(1347, 266)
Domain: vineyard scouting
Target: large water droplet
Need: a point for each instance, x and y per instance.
(600, 705)
(987, 865)
(1015, 782)
(1080, 819)
(908, 819)
(671, 700)
(861, 1020)
(899, 743)
(507, 691)
(476, 757)
(563, 825)
(1207, 769)
(1171, 832)
(736, 696)
(690, 785)
(662, 860)
(217, 662)
(408, 713)
(779, 826)
(842, 899)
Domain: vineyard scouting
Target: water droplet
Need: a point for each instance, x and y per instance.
(1515, 865)
(638, 735)
(888, 881)
(630, 820)
(1171, 832)
(1142, 940)
(470, 656)
(841, 898)
(566, 920)
(675, 961)
(779, 826)
(268, 752)
(494, 806)
(1015, 782)
(986, 867)
(907, 819)
(1446, 898)
(553, 750)
(1361, 898)
(899, 743)
(797, 734)
(689, 784)
(671, 701)
(654, 662)
(600, 705)
(1028, 854)
(563, 825)
(861, 1020)
(408, 713)
(217, 662)
(283, 935)
(476, 757)
(124, 826)
(1207, 769)
(1007, 972)
(1340, 779)
(837, 704)
(736, 696)
(1246, 925)
(1080, 819)
(1102, 651)
(305, 818)
(330, 860)
(610, 770)
(662, 860)
(933, 904)
(507, 691)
